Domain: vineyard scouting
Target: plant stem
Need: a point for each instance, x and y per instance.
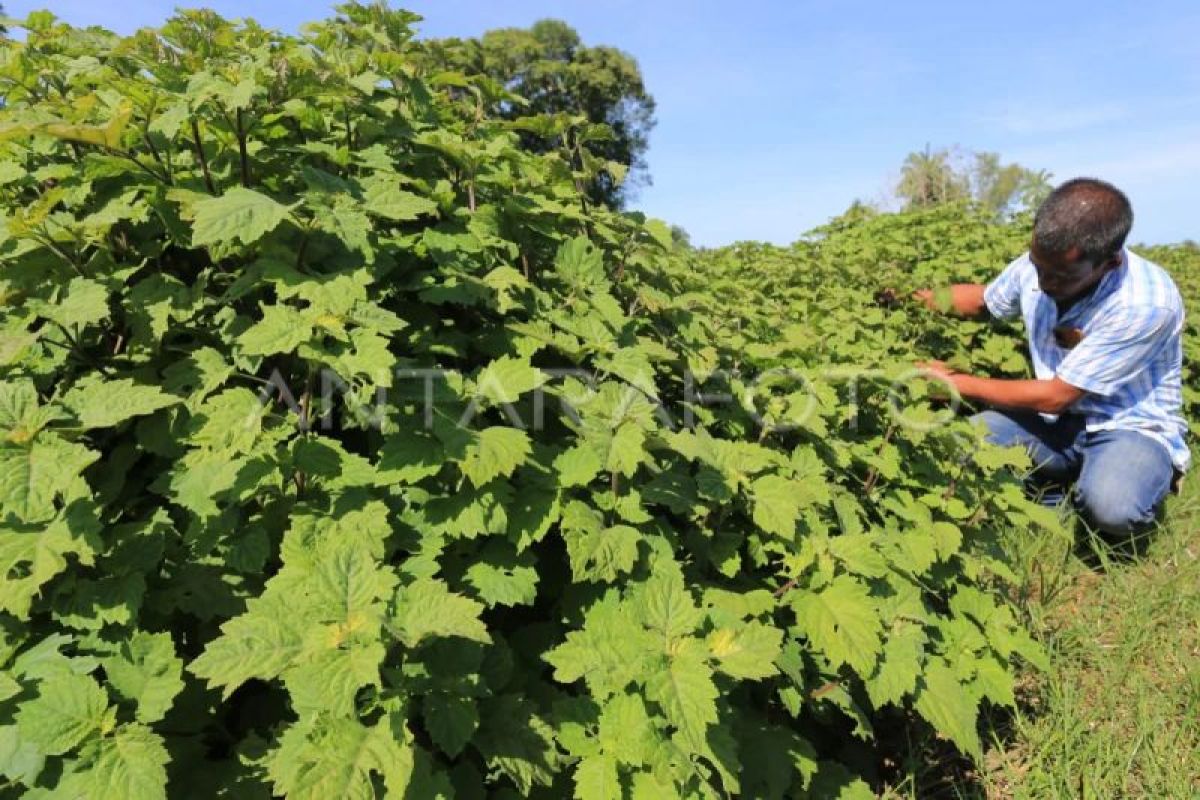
(245, 158)
(208, 181)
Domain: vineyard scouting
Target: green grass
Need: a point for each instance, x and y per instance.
(1118, 715)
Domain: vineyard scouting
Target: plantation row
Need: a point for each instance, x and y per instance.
(222, 577)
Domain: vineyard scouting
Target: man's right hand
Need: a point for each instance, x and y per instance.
(925, 297)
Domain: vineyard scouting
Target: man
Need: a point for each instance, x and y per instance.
(1105, 335)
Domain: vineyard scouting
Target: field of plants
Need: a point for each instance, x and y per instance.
(348, 450)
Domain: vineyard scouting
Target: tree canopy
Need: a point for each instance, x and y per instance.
(549, 68)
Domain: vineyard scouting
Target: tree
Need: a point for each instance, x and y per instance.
(930, 177)
(549, 66)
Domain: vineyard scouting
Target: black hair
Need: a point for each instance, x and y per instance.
(1087, 213)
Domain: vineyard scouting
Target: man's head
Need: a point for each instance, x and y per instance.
(1078, 233)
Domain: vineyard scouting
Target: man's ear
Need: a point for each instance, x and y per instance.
(1113, 262)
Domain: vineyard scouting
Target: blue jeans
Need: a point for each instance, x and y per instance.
(1120, 477)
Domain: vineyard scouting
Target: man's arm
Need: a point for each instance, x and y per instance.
(1052, 396)
(963, 299)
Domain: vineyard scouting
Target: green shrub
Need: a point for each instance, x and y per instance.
(226, 572)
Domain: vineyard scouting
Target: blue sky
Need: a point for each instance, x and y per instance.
(774, 116)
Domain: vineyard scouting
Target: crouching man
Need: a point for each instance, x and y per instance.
(1105, 334)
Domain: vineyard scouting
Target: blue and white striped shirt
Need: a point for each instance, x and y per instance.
(1130, 359)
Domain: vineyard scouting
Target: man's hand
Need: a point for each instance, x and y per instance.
(938, 370)
(962, 299)
(924, 297)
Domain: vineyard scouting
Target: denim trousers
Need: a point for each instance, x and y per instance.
(1120, 477)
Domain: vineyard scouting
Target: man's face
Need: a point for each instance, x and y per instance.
(1066, 276)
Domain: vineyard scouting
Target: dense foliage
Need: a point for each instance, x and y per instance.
(551, 71)
(225, 573)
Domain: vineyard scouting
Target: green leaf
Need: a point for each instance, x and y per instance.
(323, 758)
(597, 553)
(261, 643)
(666, 607)
(228, 423)
(427, 608)
(841, 621)
(580, 264)
(494, 452)
(506, 379)
(239, 214)
(407, 457)
(146, 671)
(20, 760)
(129, 764)
(31, 555)
(626, 730)
(281, 330)
(896, 675)
(32, 477)
(776, 505)
(103, 404)
(67, 710)
(748, 652)
(384, 198)
(596, 778)
(683, 686)
(451, 721)
(949, 706)
(502, 577)
(577, 466)
(85, 303)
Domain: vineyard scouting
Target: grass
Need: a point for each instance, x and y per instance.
(1118, 715)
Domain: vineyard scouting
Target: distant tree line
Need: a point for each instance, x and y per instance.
(929, 177)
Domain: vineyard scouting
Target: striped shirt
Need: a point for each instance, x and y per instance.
(1130, 358)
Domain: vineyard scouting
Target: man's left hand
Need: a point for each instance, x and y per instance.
(937, 370)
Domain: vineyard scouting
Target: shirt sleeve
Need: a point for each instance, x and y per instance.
(1119, 349)
(1003, 295)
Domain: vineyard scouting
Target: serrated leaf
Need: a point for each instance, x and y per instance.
(626, 730)
(597, 553)
(841, 621)
(281, 330)
(748, 652)
(67, 710)
(683, 686)
(502, 577)
(896, 675)
(506, 379)
(596, 778)
(384, 198)
(85, 303)
(776, 505)
(146, 671)
(667, 607)
(240, 214)
(451, 721)
(261, 643)
(103, 404)
(494, 452)
(129, 764)
(577, 466)
(20, 760)
(407, 457)
(948, 705)
(32, 477)
(323, 758)
(427, 608)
